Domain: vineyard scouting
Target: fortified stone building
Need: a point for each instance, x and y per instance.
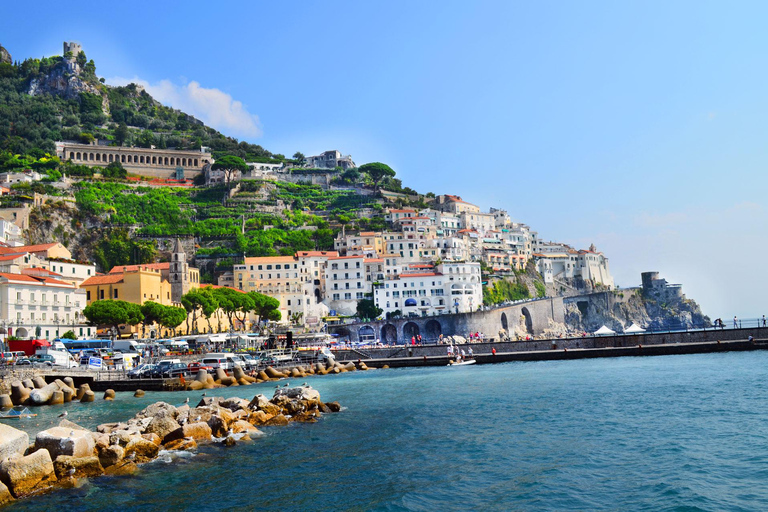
(159, 163)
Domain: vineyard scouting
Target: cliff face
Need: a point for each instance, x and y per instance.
(64, 80)
(620, 308)
(5, 57)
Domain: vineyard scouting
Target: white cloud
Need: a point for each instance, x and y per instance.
(212, 106)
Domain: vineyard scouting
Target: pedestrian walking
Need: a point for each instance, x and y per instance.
(763, 320)
(735, 323)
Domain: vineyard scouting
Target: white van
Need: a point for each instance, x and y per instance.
(223, 361)
(128, 346)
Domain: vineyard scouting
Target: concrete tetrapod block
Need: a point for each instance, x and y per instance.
(202, 376)
(5, 401)
(138, 393)
(68, 394)
(23, 474)
(19, 394)
(57, 398)
(40, 396)
(88, 396)
(66, 441)
(39, 382)
(12, 441)
(27, 383)
(221, 374)
(69, 382)
(109, 394)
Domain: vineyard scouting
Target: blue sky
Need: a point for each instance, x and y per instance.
(639, 126)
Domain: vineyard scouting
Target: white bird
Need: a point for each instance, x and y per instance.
(64, 414)
(205, 394)
(186, 401)
(286, 385)
(71, 433)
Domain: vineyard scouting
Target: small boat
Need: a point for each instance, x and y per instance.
(461, 363)
(17, 414)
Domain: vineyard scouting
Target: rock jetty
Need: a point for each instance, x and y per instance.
(220, 378)
(63, 454)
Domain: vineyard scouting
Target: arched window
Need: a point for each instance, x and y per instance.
(98, 157)
(166, 161)
(122, 158)
(79, 157)
(141, 159)
(195, 162)
(71, 155)
(154, 160)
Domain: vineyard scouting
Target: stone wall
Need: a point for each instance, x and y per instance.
(534, 317)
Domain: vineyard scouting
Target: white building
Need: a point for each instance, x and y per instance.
(346, 283)
(453, 288)
(329, 160)
(28, 302)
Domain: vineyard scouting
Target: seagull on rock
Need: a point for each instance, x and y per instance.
(64, 414)
(186, 401)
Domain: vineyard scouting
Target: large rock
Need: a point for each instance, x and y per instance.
(57, 398)
(277, 421)
(111, 455)
(88, 396)
(6, 402)
(65, 441)
(40, 396)
(209, 400)
(234, 404)
(244, 426)
(5, 494)
(77, 467)
(12, 441)
(181, 444)
(198, 431)
(157, 409)
(300, 393)
(162, 425)
(140, 450)
(71, 425)
(23, 475)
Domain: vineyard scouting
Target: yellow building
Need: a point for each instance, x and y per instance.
(141, 283)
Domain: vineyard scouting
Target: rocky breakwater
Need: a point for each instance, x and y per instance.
(220, 378)
(63, 454)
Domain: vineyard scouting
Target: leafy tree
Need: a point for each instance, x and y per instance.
(113, 313)
(230, 165)
(69, 335)
(114, 170)
(121, 133)
(350, 175)
(233, 302)
(377, 172)
(202, 300)
(299, 157)
(366, 308)
(152, 312)
(173, 316)
(265, 307)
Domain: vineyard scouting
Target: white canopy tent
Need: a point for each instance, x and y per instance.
(604, 331)
(633, 329)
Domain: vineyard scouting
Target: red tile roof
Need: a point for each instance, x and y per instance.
(108, 279)
(27, 248)
(33, 279)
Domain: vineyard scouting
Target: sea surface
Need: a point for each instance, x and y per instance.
(678, 433)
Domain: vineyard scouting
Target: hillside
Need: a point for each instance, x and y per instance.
(61, 98)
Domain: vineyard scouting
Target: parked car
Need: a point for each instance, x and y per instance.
(23, 361)
(175, 370)
(142, 371)
(196, 366)
(42, 361)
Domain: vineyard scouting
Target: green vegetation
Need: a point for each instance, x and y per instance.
(504, 290)
(366, 308)
(113, 313)
(541, 290)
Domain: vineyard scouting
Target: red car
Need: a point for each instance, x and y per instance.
(197, 366)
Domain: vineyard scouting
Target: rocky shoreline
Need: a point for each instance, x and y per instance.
(63, 454)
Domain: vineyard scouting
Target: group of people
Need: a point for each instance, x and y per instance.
(458, 354)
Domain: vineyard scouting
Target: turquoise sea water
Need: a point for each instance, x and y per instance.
(656, 433)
